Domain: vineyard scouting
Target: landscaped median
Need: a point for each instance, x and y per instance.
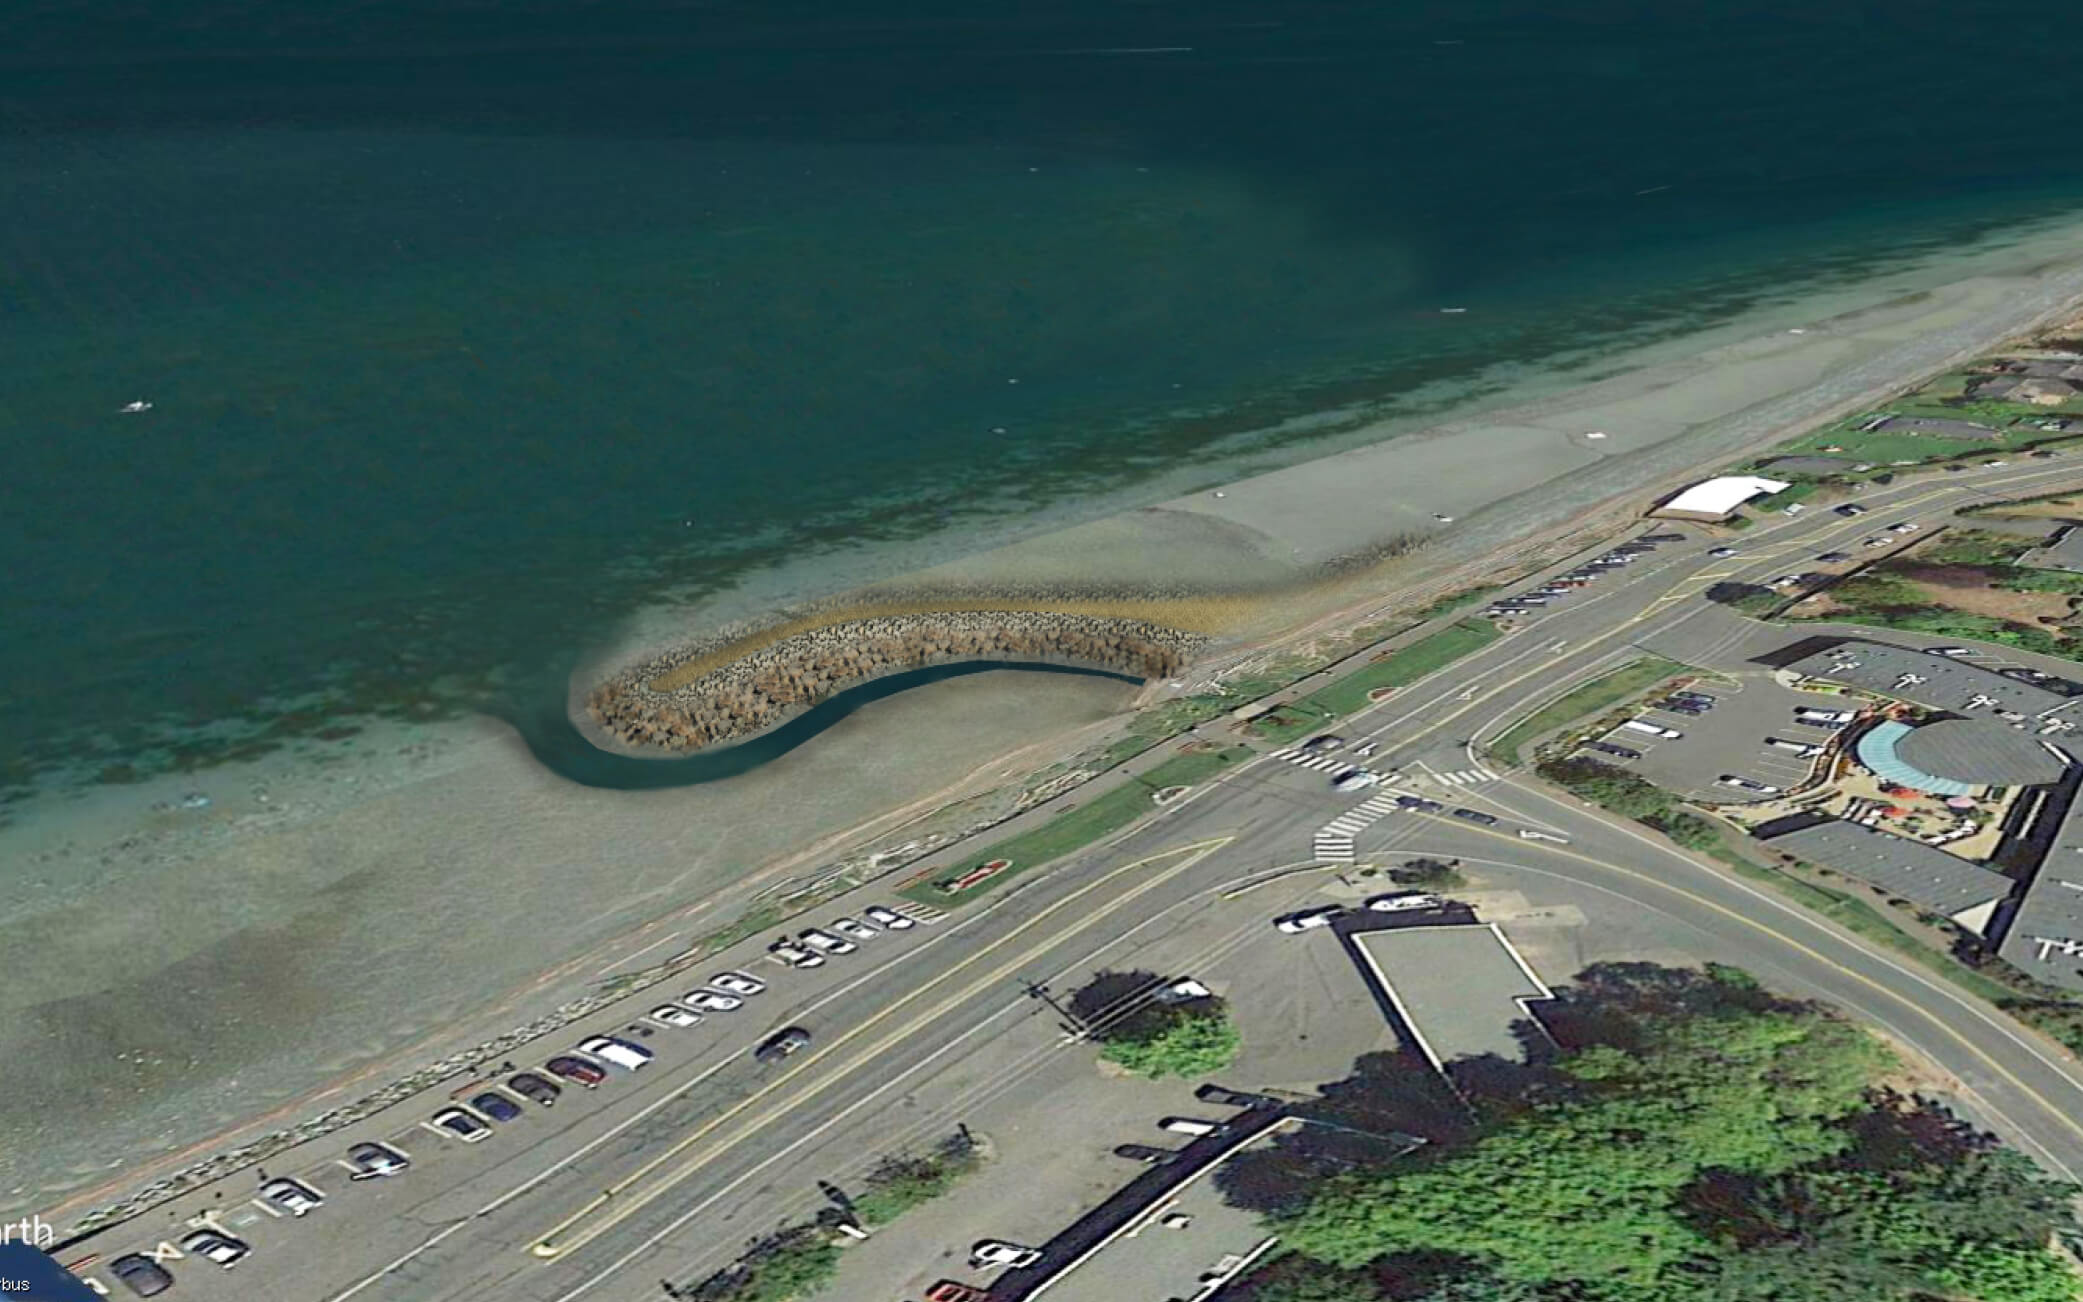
(1355, 691)
(1072, 830)
(1585, 701)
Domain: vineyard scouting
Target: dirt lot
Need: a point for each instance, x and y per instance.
(1966, 588)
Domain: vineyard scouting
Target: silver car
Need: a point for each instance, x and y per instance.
(738, 983)
(711, 1001)
(887, 919)
(824, 942)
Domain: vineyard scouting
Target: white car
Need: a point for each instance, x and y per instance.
(1404, 902)
(1874, 542)
(1191, 1126)
(738, 983)
(795, 955)
(712, 1001)
(1307, 919)
(1951, 652)
(1905, 527)
(459, 1123)
(854, 928)
(212, 1246)
(1784, 581)
(887, 919)
(824, 942)
(292, 1196)
(674, 1015)
(1355, 780)
(1723, 552)
(1364, 749)
(997, 1252)
(1746, 784)
(1991, 465)
(621, 1053)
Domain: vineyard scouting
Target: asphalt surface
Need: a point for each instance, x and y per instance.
(668, 1172)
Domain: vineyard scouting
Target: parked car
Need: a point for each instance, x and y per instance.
(460, 1124)
(1875, 542)
(616, 1050)
(1747, 784)
(824, 942)
(1652, 729)
(1850, 509)
(1831, 558)
(534, 1088)
(949, 1290)
(576, 1069)
(1723, 552)
(497, 1106)
(141, 1275)
(795, 955)
(674, 1015)
(997, 1252)
(1307, 919)
(1805, 749)
(212, 1246)
(1476, 816)
(1825, 716)
(854, 929)
(1608, 748)
(1699, 697)
(1906, 526)
(292, 1196)
(738, 983)
(1951, 652)
(1192, 1126)
(1230, 1098)
(782, 1045)
(373, 1161)
(888, 919)
(712, 1001)
(1182, 990)
(1405, 902)
(1146, 1153)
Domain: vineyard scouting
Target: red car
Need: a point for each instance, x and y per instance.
(948, 1290)
(576, 1069)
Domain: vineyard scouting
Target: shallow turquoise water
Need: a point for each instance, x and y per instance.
(469, 329)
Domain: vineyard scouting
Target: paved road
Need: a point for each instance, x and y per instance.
(668, 1172)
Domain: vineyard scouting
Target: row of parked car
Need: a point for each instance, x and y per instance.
(1528, 603)
(588, 1065)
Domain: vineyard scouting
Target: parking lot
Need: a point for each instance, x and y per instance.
(441, 1145)
(1728, 738)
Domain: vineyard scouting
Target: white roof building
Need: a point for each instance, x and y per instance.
(1718, 497)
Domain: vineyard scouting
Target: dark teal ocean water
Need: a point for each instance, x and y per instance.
(471, 327)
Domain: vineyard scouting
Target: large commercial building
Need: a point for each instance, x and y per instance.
(1717, 499)
(1936, 682)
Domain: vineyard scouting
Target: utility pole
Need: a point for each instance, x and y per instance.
(1074, 1024)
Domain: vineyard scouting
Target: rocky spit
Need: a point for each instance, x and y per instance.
(771, 685)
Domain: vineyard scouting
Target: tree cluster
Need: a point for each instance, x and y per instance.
(1731, 1148)
(1610, 787)
(1189, 1039)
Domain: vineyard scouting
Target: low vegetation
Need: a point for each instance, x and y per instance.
(1909, 592)
(1397, 669)
(1697, 1140)
(1585, 701)
(1076, 828)
(1623, 793)
(899, 1184)
(1190, 1039)
(792, 1264)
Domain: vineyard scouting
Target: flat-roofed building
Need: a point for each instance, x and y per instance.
(1458, 991)
(1926, 876)
(1936, 682)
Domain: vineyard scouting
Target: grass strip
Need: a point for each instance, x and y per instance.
(1397, 669)
(1584, 701)
(1074, 829)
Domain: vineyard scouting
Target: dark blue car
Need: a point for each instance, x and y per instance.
(496, 1106)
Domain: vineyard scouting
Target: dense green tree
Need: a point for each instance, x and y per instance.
(1298, 1279)
(1588, 1189)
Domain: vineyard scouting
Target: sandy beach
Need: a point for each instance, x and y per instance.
(322, 927)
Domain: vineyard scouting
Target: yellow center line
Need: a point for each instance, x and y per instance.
(553, 1243)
